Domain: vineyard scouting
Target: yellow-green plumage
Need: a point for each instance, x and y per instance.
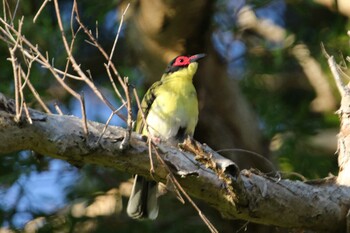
(170, 108)
(170, 105)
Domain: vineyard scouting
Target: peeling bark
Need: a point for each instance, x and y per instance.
(344, 114)
(344, 141)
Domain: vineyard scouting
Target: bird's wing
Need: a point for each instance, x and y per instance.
(146, 104)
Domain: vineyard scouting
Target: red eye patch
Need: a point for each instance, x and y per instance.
(182, 61)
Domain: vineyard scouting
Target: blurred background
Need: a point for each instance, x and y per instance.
(264, 87)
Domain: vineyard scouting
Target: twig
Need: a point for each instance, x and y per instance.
(146, 127)
(40, 10)
(31, 87)
(103, 52)
(96, 35)
(107, 123)
(15, 11)
(252, 153)
(58, 110)
(27, 113)
(4, 3)
(17, 44)
(29, 68)
(37, 96)
(15, 74)
(83, 113)
(74, 35)
(72, 17)
(38, 58)
(75, 65)
(343, 89)
(178, 185)
(20, 90)
(41, 57)
(149, 143)
(113, 84)
(117, 36)
(289, 174)
(126, 141)
(243, 227)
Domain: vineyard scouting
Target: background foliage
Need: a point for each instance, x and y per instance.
(269, 75)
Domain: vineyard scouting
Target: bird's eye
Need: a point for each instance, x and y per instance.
(181, 61)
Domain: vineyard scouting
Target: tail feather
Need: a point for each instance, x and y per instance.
(143, 201)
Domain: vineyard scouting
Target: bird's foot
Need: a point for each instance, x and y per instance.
(156, 140)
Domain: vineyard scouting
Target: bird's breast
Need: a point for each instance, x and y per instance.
(175, 107)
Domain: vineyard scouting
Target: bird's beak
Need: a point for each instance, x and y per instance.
(196, 57)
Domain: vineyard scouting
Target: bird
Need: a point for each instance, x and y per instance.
(170, 109)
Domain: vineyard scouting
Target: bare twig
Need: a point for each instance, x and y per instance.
(40, 10)
(125, 143)
(33, 50)
(34, 54)
(103, 52)
(43, 60)
(30, 86)
(29, 119)
(117, 36)
(146, 127)
(20, 90)
(5, 4)
(113, 84)
(108, 121)
(178, 185)
(75, 65)
(74, 35)
(58, 110)
(36, 94)
(149, 142)
(15, 11)
(273, 169)
(83, 113)
(17, 73)
(96, 29)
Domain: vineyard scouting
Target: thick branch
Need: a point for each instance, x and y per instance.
(207, 176)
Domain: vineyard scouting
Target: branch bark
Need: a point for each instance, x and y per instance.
(205, 175)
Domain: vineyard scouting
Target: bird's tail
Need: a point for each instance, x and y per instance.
(143, 199)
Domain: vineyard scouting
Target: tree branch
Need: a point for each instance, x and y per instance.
(246, 195)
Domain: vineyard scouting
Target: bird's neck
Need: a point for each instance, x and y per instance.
(178, 83)
(179, 76)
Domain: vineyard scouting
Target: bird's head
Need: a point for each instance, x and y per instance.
(184, 64)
